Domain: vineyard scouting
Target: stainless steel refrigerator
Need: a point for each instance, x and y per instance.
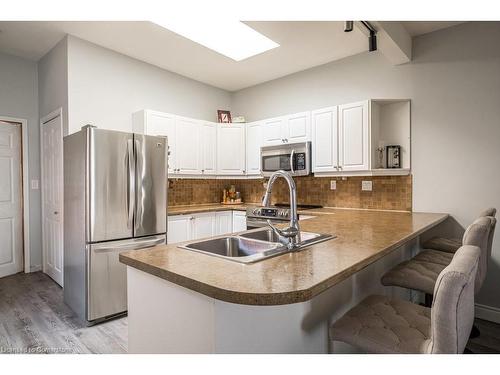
(115, 199)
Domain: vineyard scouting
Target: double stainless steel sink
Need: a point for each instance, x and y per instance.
(252, 246)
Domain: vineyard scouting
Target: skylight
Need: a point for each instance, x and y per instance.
(230, 38)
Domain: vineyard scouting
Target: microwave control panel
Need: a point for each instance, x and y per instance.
(300, 161)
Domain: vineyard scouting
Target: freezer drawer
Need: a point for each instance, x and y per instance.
(107, 277)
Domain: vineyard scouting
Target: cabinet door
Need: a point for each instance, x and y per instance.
(208, 146)
(163, 124)
(325, 140)
(203, 225)
(354, 143)
(188, 146)
(179, 228)
(272, 131)
(254, 143)
(239, 221)
(231, 149)
(298, 128)
(223, 222)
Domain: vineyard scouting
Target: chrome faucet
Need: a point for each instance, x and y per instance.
(292, 233)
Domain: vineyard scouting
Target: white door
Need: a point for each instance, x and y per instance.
(203, 225)
(254, 143)
(179, 228)
(208, 146)
(325, 140)
(231, 149)
(164, 124)
(52, 198)
(273, 131)
(239, 221)
(223, 222)
(354, 143)
(11, 241)
(298, 127)
(188, 146)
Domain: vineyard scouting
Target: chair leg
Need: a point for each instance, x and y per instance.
(428, 300)
(474, 332)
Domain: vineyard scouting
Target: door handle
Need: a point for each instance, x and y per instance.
(291, 161)
(131, 183)
(138, 209)
(133, 246)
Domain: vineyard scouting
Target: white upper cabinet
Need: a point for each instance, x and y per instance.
(273, 131)
(298, 127)
(208, 148)
(287, 129)
(158, 123)
(325, 140)
(354, 141)
(254, 143)
(231, 149)
(187, 146)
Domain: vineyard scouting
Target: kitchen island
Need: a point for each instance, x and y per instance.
(181, 301)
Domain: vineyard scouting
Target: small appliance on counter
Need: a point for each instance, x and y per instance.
(231, 196)
(393, 156)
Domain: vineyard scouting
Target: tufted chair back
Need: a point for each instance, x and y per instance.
(452, 313)
(477, 234)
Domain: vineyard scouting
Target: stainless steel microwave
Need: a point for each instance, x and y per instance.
(293, 157)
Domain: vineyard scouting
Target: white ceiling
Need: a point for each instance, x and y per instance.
(302, 45)
(416, 28)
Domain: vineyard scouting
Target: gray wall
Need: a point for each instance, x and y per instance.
(106, 87)
(18, 98)
(454, 85)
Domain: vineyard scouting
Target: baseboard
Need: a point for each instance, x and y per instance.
(36, 268)
(489, 313)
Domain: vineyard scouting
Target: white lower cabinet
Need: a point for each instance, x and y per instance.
(239, 221)
(203, 225)
(223, 222)
(179, 228)
(183, 228)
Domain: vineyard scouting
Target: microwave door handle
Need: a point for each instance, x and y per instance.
(131, 183)
(292, 154)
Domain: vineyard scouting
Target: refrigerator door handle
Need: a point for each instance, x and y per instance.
(138, 183)
(131, 183)
(132, 246)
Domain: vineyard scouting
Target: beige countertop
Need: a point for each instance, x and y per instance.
(210, 207)
(363, 236)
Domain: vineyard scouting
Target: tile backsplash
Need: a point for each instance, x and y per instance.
(389, 192)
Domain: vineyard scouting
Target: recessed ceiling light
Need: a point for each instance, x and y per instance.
(233, 39)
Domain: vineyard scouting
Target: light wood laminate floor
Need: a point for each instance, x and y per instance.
(34, 319)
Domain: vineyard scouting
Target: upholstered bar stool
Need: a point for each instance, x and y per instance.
(421, 272)
(383, 325)
(450, 245)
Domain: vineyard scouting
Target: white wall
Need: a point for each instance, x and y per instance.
(18, 98)
(106, 87)
(454, 85)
